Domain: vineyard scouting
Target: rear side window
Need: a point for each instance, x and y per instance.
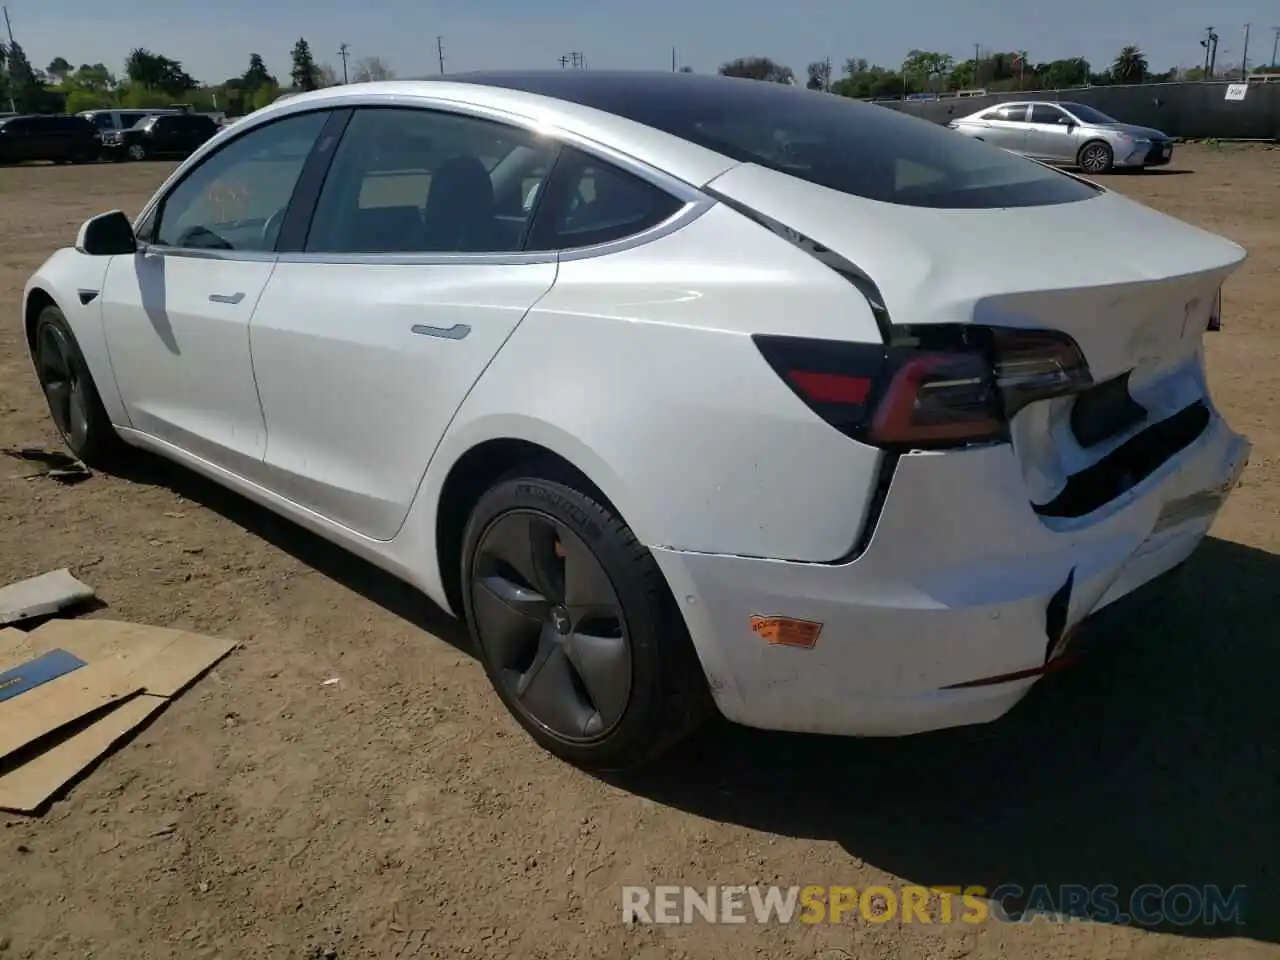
(855, 148)
(594, 202)
(1017, 113)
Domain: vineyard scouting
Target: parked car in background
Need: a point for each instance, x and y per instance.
(57, 138)
(108, 120)
(168, 135)
(1068, 133)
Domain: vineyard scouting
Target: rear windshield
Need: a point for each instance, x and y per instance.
(856, 148)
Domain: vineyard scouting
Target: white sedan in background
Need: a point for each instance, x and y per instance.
(683, 390)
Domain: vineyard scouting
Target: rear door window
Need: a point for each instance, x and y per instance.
(592, 202)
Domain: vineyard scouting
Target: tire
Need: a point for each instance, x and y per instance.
(69, 390)
(137, 151)
(1095, 157)
(554, 583)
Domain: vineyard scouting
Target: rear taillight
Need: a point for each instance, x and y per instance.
(942, 385)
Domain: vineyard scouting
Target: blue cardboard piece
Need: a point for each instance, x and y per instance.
(42, 669)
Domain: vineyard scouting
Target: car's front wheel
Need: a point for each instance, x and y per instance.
(1095, 157)
(575, 625)
(137, 151)
(70, 392)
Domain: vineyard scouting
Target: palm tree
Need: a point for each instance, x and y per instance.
(1130, 66)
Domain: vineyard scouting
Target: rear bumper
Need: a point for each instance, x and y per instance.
(955, 586)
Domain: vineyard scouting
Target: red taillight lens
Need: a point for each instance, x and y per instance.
(933, 386)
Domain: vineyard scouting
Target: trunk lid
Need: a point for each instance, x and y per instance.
(1132, 286)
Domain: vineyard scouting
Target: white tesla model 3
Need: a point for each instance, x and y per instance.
(683, 390)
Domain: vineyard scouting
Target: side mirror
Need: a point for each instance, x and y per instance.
(107, 235)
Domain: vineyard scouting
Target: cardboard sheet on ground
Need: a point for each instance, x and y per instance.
(130, 671)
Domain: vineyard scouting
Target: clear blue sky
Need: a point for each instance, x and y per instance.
(213, 39)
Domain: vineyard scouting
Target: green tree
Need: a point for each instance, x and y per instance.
(81, 99)
(58, 69)
(868, 81)
(928, 68)
(94, 77)
(758, 68)
(25, 88)
(136, 96)
(305, 73)
(265, 95)
(1063, 74)
(157, 73)
(819, 75)
(1130, 66)
(257, 76)
(326, 76)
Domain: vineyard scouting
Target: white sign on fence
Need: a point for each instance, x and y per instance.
(1237, 91)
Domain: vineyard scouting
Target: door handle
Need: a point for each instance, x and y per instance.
(457, 332)
(232, 298)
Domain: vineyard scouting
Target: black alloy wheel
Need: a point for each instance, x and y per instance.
(68, 387)
(575, 625)
(64, 390)
(551, 623)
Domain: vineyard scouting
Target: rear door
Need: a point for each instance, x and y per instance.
(1008, 127)
(390, 302)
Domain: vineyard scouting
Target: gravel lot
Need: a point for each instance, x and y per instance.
(400, 813)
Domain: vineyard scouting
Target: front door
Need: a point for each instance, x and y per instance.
(370, 335)
(1050, 134)
(176, 314)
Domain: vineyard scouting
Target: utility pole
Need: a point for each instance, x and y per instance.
(344, 52)
(9, 29)
(1207, 43)
(977, 64)
(1244, 57)
(1275, 46)
(440, 53)
(673, 55)
(564, 61)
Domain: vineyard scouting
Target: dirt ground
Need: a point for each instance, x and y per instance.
(401, 813)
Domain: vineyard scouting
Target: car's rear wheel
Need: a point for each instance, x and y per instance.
(137, 151)
(70, 392)
(1095, 157)
(575, 625)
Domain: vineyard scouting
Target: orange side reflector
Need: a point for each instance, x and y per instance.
(787, 631)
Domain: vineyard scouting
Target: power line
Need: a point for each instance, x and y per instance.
(344, 52)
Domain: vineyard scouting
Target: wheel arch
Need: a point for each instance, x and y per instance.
(1090, 142)
(476, 471)
(38, 298)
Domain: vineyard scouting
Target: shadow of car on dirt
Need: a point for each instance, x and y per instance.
(352, 572)
(1152, 761)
